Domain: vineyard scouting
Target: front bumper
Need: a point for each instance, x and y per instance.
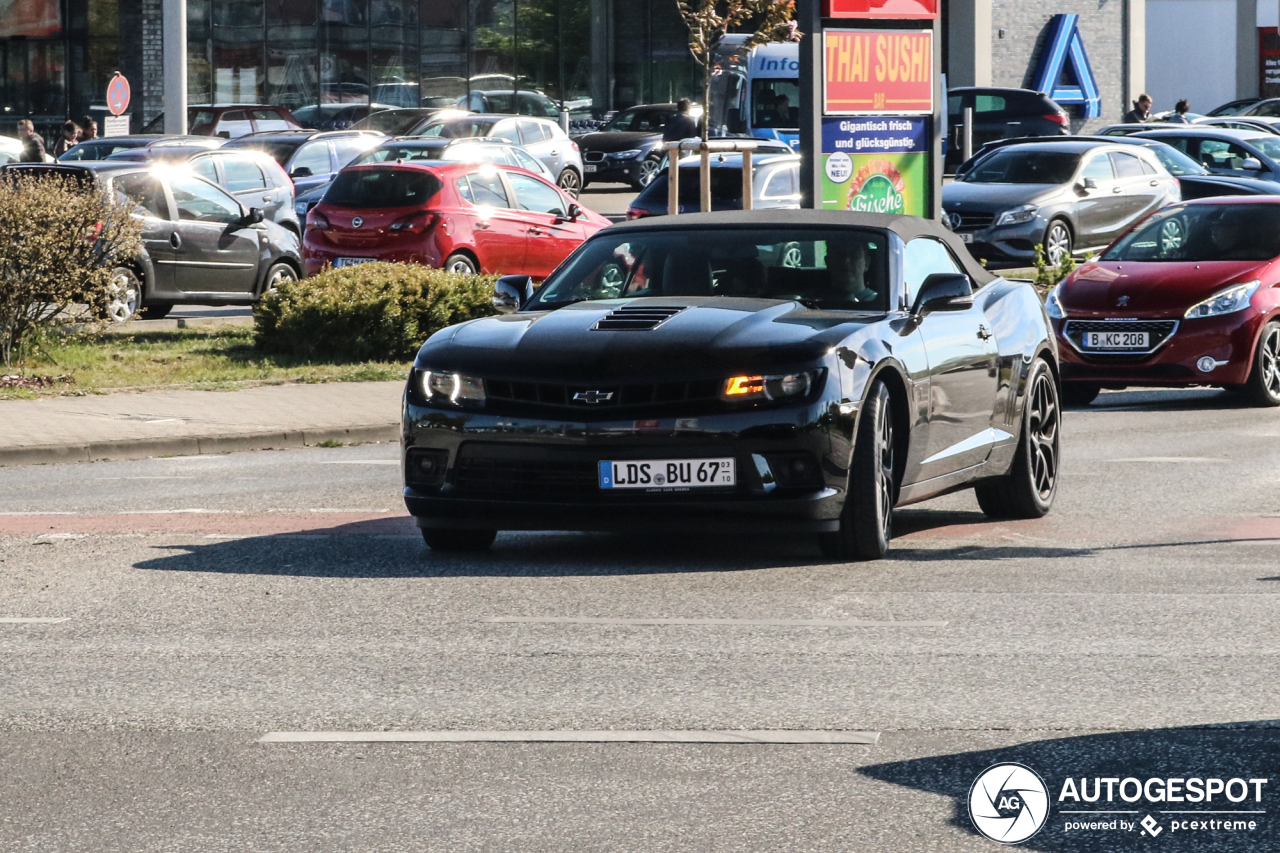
(609, 170)
(541, 473)
(1230, 340)
(1014, 244)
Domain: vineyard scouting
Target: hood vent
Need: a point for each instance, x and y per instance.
(636, 318)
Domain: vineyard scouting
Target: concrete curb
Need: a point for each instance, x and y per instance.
(143, 448)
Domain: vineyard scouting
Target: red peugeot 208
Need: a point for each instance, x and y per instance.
(1189, 296)
(461, 217)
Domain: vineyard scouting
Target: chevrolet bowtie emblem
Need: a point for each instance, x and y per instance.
(593, 397)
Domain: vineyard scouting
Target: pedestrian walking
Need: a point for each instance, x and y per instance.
(68, 139)
(1180, 111)
(32, 142)
(88, 129)
(681, 125)
(1141, 112)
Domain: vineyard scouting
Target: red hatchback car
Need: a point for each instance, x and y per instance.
(464, 217)
(1189, 296)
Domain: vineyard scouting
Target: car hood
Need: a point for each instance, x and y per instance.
(962, 195)
(1152, 289)
(711, 335)
(615, 140)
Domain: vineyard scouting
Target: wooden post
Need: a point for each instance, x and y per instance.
(673, 179)
(747, 195)
(704, 177)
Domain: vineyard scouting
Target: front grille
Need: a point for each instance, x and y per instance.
(514, 472)
(636, 318)
(593, 156)
(974, 221)
(1160, 331)
(602, 396)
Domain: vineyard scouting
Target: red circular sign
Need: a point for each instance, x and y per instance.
(118, 94)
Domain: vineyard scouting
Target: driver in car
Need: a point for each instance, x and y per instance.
(1230, 235)
(847, 264)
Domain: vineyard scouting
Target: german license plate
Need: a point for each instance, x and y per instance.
(667, 474)
(590, 168)
(1117, 340)
(351, 262)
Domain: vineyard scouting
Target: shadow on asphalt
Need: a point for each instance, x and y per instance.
(1166, 400)
(1249, 750)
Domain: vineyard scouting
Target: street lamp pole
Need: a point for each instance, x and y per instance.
(175, 67)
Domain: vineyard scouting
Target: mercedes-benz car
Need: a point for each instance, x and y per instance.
(795, 371)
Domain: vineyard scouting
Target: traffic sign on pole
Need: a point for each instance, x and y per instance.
(118, 94)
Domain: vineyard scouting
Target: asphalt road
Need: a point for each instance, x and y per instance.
(211, 600)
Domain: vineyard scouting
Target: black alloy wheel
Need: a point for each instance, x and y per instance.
(570, 183)
(1263, 387)
(866, 522)
(459, 540)
(1057, 242)
(1079, 393)
(1028, 490)
(460, 264)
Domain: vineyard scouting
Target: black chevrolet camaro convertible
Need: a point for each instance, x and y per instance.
(802, 371)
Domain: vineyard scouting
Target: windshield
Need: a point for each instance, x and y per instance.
(280, 150)
(775, 102)
(1204, 232)
(1025, 167)
(1177, 163)
(844, 269)
(390, 122)
(458, 128)
(726, 185)
(372, 188)
(400, 152)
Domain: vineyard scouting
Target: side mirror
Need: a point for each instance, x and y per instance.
(301, 172)
(223, 134)
(575, 212)
(1251, 164)
(510, 292)
(253, 217)
(944, 291)
(1089, 184)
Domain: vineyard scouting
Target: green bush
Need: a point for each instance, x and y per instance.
(370, 312)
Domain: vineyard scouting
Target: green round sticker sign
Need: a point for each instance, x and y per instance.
(878, 195)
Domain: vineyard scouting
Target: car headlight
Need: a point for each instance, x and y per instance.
(782, 386)
(1234, 298)
(456, 389)
(1018, 215)
(629, 154)
(1052, 305)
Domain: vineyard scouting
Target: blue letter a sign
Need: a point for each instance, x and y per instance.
(1064, 51)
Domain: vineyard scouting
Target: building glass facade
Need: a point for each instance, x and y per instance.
(57, 56)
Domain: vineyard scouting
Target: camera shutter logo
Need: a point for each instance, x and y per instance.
(1008, 803)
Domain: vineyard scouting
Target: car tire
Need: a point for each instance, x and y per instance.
(155, 311)
(1057, 241)
(459, 540)
(648, 171)
(125, 296)
(460, 264)
(1028, 490)
(1263, 387)
(571, 182)
(277, 275)
(1079, 393)
(866, 522)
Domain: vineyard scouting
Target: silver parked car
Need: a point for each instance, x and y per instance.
(1068, 196)
(541, 137)
(254, 178)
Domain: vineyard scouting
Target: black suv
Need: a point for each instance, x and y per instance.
(1000, 114)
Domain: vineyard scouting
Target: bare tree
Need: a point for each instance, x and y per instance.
(709, 21)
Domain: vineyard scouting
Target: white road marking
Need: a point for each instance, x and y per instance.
(797, 737)
(163, 421)
(1173, 459)
(33, 621)
(771, 623)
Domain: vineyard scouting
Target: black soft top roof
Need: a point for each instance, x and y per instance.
(906, 227)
